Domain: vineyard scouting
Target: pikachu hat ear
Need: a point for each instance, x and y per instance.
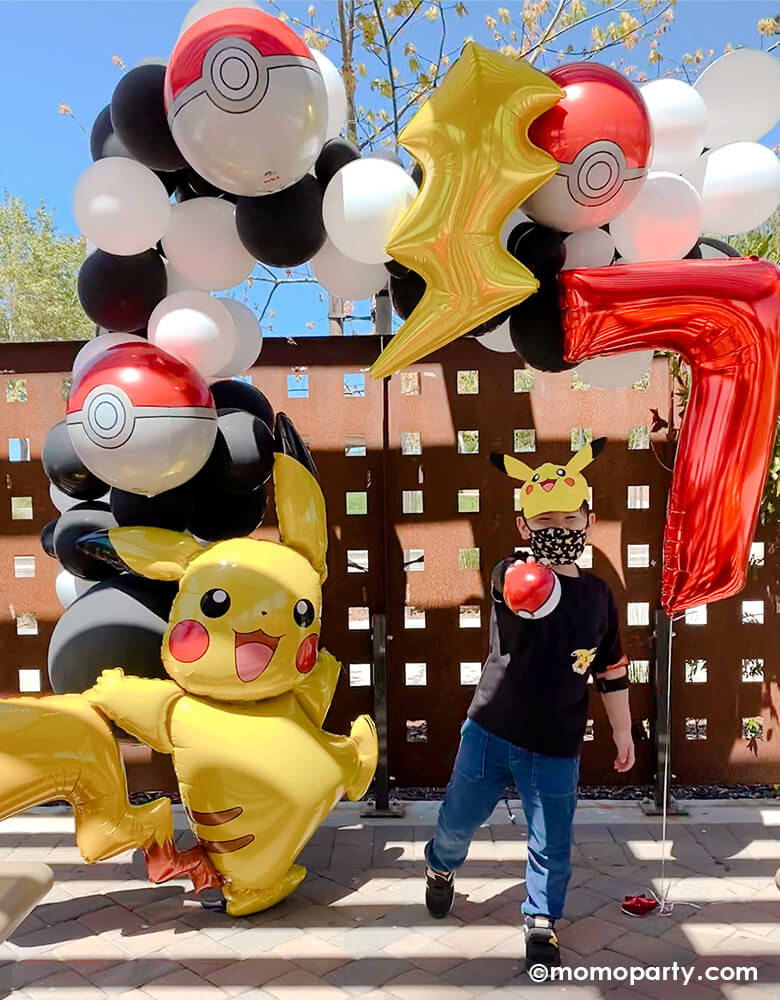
(511, 467)
(155, 553)
(300, 505)
(586, 455)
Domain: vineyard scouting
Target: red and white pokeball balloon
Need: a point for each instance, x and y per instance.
(140, 419)
(600, 133)
(246, 101)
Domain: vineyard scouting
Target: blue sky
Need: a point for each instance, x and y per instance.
(60, 51)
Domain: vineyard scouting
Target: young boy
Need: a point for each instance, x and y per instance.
(527, 720)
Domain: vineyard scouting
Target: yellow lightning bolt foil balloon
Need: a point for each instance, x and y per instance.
(471, 140)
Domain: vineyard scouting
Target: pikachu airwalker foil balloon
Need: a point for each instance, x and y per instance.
(241, 714)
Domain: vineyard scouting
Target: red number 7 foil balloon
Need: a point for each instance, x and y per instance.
(723, 316)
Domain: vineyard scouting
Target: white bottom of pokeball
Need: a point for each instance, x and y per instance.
(549, 605)
(553, 205)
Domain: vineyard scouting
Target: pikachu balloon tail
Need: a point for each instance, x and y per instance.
(242, 711)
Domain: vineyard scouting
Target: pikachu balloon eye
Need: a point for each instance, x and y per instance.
(303, 614)
(215, 603)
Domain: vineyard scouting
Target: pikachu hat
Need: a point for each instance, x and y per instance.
(551, 487)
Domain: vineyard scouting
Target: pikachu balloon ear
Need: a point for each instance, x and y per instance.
(155, 553)
(300, 505)
(586, 455)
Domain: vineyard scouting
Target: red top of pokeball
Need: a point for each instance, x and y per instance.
(598, 104)
(269, 35)
(149, 376)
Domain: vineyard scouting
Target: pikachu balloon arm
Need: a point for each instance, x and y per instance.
(140, 705)
(316, 693)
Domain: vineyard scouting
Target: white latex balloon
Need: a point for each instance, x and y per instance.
(362, 204)
(740, 91)
(177, 282)
(99, 344)
(696, 173)
(498, 340)
(662, 223)
(678, 115)
(589, 248)
(195, 327)
(347, 278)
(61, 500)
(249, 339)
(202, 244)
(70, 588)
(617, 372)
(121, 206)
(204, 7)
(741, 188)
(337, 95)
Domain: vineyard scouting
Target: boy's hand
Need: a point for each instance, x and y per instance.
(625, 750)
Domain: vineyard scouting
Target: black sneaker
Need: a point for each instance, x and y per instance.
(541, 943)
(439, 892)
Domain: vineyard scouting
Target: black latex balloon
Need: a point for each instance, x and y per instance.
(103, 141)
(81, 520)
(47, 538)
(216, 515)
(243, 454)
(721, 248)
(695, 253)
(139, 119)
(336, 153)
(397, 270)
(65, 469)
(120, 293)
(192, 185)
(172, 179)
(230, 394)
(405, 292)
(166, 510)
(119, 622)
(417, 173)
(540, 249)
(283, 229)
(535, 328)
(290, 442)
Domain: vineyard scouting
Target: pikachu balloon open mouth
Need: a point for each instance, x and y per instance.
(241, 712)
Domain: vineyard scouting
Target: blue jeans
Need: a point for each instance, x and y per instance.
(484, 767)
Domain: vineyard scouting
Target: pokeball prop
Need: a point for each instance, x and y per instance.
(531, 590)
(600, 133)
(140, 419)
(246, 102)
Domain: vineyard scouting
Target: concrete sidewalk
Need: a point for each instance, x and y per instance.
(358, 926)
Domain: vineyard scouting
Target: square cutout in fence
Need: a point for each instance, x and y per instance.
(753, 670)
(297, 385)
(357, 502)
(414, 617)
(638, 438)
(580, 436)
(355, 446)
(638, 498)
(360, 675)
(470, 673)
(414, 560)
(644, 729)
(470, 616)
(468, 442)
(521, 550)
(354, 385)
(411, 443)
(638, 613)
(26, 623)
(412, 501)
(518, 500)
(416, 731)
(577, 383)
(16, 390)
(695, 671)
(757, 553)
(21, 509)
(358, 619)
(24, 567)
(753, 728)
(29, 680)
(524, 379)
(468, 558)
(752, 612)
(357, 560)
(585, 561)
(639, 671)
(18, 449)
(415, 674)
(697, 615)
(524, 439)
(411, 384)
(638, 556)
(468, 501)
(695, 729)
(468, 383)
(590, 730)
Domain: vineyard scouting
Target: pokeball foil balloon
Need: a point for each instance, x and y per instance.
(600, 133)
(246, 101)
(141, 419)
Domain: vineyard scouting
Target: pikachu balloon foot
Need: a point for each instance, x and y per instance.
(165, 861)
(363, 732)
(242, 902)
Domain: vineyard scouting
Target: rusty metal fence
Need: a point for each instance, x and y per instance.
(415, 528)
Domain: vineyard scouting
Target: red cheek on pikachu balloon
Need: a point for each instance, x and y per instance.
(188, 642)
(306, 656)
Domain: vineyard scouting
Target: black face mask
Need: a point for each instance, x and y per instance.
(558, 546)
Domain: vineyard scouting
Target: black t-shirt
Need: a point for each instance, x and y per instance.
(533, 690)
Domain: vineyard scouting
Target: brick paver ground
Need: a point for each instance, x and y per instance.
(357, 927)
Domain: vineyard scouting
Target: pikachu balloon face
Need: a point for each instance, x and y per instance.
(551, 487)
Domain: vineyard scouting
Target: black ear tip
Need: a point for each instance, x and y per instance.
(287, 441)
(598, 446)
(498, 461)
(98, 545)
